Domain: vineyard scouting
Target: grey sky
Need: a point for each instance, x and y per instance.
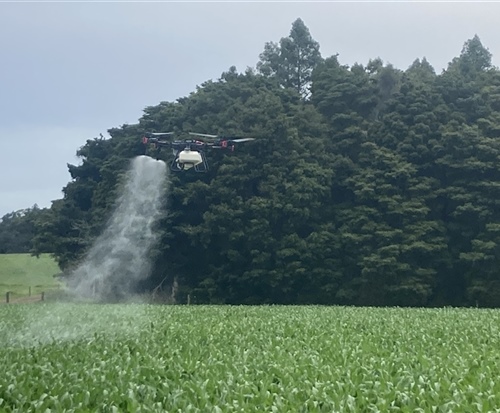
(70, 71)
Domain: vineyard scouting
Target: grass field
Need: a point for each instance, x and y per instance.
(146, 358)
(18, 272)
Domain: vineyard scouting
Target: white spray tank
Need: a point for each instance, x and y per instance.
(189, 158)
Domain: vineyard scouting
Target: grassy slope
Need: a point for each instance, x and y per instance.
(20, 271)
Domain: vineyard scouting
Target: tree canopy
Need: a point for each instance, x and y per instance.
(293, 60)
(18, 229)
(367, 185)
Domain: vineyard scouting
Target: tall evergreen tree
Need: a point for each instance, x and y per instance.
(293, 60)
(474, 58)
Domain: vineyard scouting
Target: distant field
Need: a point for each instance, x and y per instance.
(152, 358)
(18, 272)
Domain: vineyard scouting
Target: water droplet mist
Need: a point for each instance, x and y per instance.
(120, 256)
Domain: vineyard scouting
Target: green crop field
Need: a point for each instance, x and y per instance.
(144, 358)
(18, 272)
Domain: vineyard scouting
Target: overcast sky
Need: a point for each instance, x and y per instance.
(70, 71)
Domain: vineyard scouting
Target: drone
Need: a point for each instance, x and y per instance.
(190, 153)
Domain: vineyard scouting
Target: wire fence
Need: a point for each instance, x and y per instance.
(30, 296)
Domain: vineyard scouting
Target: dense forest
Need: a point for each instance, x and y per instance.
(366, 185)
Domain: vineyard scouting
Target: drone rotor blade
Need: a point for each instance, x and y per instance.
(206, 135)
(162, 133)
(242, 140)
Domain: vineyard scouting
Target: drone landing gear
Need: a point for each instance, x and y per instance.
(202, 167)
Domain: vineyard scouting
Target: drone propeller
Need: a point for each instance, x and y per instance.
(161, 133)
(206, 135)
(242, 140)
(221, 137)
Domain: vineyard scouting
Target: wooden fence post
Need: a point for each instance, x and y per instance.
(7, 297)
(43, 295)
(29, 291)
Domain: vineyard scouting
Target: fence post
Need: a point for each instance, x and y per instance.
(7, 297)
(43, 295)
(29, 291)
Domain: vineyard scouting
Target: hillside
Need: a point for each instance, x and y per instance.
(372, 186)
(18, 272)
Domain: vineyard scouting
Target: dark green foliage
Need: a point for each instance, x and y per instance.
(293, 60)
(382, 188)
(17, 230)
(474, 59)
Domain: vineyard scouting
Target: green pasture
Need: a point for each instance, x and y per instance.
(63, 357)
(18, 272)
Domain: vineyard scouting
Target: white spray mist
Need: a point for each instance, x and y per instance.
(119, 258)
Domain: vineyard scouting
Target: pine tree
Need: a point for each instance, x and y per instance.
(293, 60)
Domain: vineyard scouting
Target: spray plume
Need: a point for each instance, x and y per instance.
(119, 258)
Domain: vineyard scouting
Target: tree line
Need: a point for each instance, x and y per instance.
(18, 229)
(367, 185)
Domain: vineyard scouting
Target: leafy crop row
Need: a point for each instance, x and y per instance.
(139, 358)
